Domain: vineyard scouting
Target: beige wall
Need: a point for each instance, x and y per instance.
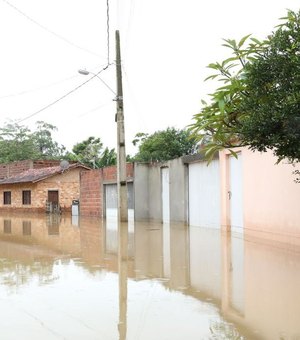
(271, 198)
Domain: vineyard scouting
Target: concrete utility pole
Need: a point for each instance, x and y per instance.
(122, 199)
(121, 154)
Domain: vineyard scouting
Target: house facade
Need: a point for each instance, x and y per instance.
(42, 189)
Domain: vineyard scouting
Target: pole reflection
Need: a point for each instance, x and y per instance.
(123, 274)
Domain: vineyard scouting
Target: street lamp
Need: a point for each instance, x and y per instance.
(119, 118)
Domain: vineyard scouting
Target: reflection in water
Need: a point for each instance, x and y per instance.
(7, 226)
(123, 274)
(96, 280)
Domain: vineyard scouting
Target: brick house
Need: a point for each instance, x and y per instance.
(40, 189)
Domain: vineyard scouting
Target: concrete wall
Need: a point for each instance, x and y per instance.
(148, 191)
(178, 191)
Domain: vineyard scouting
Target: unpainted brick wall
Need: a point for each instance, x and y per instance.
(91, 188)
(15, 168)
(91, 193)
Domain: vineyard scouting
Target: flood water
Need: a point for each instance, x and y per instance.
(70, 278)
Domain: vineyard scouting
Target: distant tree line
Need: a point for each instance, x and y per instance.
(18, 142)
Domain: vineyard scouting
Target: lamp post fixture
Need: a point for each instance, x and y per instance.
(119, 119)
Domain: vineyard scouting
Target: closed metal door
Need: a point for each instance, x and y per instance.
(204, 194)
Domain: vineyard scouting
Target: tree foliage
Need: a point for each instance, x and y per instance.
(90, 152)
(47, 148)
(18, 142)
(164, 145)
(108, 158)
(272, 104)
(259, 100)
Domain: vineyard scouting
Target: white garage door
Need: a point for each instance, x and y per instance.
(204, 194)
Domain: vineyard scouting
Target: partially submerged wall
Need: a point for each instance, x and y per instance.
(270, 200)
(148, 191)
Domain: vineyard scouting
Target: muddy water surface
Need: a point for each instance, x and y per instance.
(71, 278)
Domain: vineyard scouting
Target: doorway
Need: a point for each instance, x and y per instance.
(53, 201)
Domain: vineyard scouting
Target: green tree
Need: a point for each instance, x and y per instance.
(16, 143)
(47, 148)
(258, 102)
(164, 145)
(88, 151)
(107, 158)
(218, 125)
(272, 105)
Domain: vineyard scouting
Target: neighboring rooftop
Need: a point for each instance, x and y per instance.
(36, 175)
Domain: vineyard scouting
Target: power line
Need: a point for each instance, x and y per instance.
(36, 89)
(107, 26)
(44, 87)
(94, 109)
(62, 97)
(130, 22)
(50, 31)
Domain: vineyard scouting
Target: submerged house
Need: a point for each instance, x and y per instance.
(46, 189)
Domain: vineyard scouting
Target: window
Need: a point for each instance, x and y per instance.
(6, 197)
(26, 197)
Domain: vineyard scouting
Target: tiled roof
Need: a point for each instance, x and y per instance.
(36, 175)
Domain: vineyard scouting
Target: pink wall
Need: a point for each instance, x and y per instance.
(271, 198)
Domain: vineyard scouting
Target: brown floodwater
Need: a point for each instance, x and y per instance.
(75, 278)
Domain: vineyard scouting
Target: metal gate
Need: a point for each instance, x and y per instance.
(204, 194)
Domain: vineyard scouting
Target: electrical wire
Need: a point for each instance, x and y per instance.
(62, 97)
(94, 109)
(140, 118)
(129, 23)
(37, 89)
(43, 87)
(107, 30)
(50, 31)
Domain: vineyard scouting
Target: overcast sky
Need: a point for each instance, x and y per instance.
(165, 45)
